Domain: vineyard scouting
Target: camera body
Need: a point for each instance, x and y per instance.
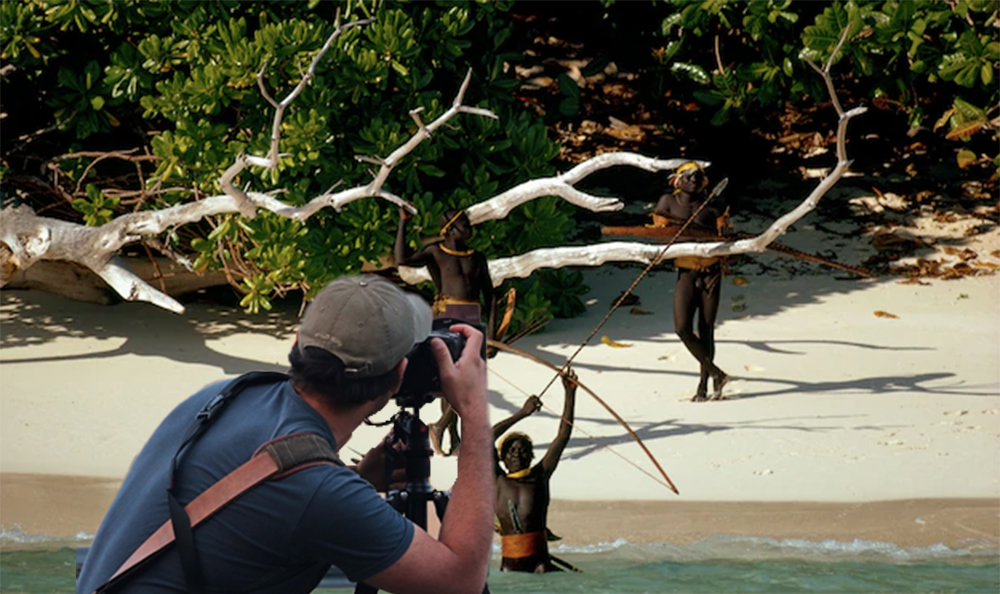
(422, 379)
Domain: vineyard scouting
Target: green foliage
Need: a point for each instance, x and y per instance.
(97, 209)
(563, 288)
(570, 105)
(894, 47)
(974, 61)
(181, 76)
(533, 310)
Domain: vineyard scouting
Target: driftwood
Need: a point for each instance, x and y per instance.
(79, 283)
(666, 234)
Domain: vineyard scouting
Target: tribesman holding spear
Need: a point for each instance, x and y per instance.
(699, 280)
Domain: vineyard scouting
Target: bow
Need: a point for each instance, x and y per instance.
(516, 351)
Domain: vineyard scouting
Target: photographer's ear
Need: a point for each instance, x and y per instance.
(400, 371)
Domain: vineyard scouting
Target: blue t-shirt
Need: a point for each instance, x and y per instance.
(279, 537)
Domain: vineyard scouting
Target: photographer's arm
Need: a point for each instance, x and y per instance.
(458, 560)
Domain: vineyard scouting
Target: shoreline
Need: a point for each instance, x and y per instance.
(64, 508)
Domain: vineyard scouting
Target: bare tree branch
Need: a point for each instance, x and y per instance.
(500, 206)
(244, 202)
(643, 253)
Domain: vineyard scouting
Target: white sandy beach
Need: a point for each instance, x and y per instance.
(832, 410)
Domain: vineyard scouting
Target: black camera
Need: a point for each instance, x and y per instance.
(422, 380)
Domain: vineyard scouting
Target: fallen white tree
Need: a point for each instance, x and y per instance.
(26, 238)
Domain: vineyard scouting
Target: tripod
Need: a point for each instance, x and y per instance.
(411, 500)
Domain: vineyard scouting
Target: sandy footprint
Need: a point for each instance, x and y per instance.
(956, 412)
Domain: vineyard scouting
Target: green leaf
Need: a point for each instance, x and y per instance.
(431, 170)
(399, 68)
(568, 87)
(691, 71)
(987, 73)
(570, 106)
(965, 158)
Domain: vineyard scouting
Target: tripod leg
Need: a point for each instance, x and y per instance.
(440, 499)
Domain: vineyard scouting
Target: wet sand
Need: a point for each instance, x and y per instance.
(61, 506)
(908, 523)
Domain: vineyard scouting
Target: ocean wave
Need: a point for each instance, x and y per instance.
(752, 548)
(17, 536)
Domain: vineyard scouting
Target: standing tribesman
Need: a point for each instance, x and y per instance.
(522, 492)
(282, 535)
(699, 280)
(461, 278)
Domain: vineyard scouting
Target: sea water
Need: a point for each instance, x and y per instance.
(31, 563)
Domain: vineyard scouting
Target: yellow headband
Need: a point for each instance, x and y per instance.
(688, 165)
(676, 177)
(444, 229)
(512, 435)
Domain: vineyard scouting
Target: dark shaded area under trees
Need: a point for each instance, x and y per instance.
(638, 105)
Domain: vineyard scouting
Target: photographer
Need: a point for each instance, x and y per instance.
(283, 534)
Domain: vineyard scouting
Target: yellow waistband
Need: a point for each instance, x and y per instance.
(694, 262)
(443, 301)
(519, 546)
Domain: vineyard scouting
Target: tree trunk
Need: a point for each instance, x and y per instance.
(79, 283)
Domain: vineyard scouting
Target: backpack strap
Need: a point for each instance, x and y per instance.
(182, 528)
(274, 460)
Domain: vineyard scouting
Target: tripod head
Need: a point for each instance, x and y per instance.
(409, 439)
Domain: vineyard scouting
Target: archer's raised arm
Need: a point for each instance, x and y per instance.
(551, 459)
(403, 254)
(530, 405)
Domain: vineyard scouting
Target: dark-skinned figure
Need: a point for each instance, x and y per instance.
(463, 289)
(523, 490)
(699, 280)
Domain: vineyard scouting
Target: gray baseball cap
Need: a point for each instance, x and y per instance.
(367, 322)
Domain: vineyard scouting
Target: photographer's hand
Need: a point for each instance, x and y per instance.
(372, 467)
(463, 382)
